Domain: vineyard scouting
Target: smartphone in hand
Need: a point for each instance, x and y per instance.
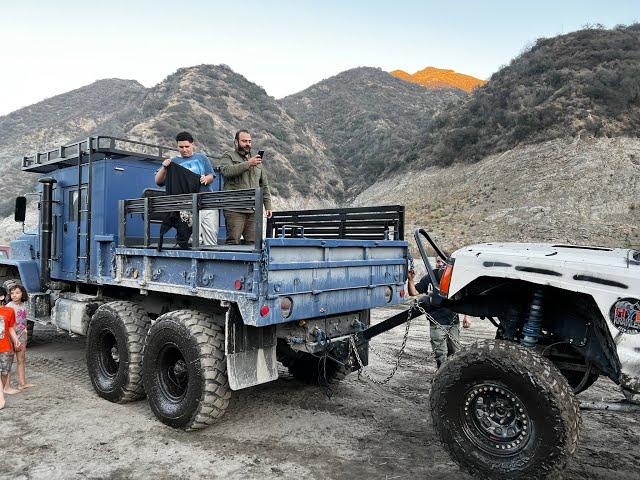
(261, 154)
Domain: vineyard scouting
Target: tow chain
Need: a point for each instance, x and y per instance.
(361, 368)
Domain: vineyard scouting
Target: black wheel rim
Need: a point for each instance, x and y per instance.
(173, 374)
(109, 358)
(495, 419)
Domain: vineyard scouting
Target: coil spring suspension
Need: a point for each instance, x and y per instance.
(531, 329)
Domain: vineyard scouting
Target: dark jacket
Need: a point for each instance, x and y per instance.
(238, 175)
(442, 315)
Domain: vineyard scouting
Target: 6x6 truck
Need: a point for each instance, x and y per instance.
(186, 326)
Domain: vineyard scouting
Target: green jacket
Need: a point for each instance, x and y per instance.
(238, 175)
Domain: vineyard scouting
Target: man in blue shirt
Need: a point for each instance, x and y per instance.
(199, 164)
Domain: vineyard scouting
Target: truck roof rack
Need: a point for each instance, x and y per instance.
(67, 155)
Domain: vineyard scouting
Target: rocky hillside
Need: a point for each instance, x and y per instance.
(433, 77)
(573, 190)
(548, 150)
(213, 102)
(368, 119)
(210, 101)
(586, 83)
(99, 107)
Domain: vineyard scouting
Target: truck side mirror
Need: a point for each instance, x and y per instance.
(21, 209)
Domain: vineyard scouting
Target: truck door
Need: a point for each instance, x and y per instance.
(70, 234)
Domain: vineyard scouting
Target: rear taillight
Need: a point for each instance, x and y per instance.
(445, 281)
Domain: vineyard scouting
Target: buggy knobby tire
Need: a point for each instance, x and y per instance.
(185, 370)
(115, 343)
(502, 410)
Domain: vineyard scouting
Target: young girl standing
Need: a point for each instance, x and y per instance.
(8, 342)
(18, 295)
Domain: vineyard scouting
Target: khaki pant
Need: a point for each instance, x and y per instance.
(208, 227)
(239, 225)
(441, 343)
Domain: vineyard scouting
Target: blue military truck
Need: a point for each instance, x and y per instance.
(186, 326)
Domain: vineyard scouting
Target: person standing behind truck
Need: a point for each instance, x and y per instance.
(444, 337)
(241, 170)
(197, 163)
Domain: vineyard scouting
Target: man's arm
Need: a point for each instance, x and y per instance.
(266, 194)
(230, 169)
(411, 283)
(161, 174)
(208, 176)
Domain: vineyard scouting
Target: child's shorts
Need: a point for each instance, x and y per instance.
(6, 361)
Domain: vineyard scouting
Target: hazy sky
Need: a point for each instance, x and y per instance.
(48, 48)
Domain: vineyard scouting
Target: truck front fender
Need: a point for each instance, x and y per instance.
(26, 270)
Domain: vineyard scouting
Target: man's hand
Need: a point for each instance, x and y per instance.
(206, 179)
(166, 162)
(268, 213)
(466, 322)
(411, 275)
(255, 160)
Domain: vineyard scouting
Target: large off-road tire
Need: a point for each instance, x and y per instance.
(504, 411)
(115, 341)
(185, 370)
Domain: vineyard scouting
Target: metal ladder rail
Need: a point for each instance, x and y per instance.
(87, 238)
(79, 211)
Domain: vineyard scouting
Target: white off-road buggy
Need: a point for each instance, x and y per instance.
(565, 315)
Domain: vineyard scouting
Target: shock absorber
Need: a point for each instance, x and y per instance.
(531, 329)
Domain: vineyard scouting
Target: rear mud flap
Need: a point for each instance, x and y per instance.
(250, 351)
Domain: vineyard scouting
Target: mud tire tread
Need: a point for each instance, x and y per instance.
(538, 373)
(209, 340)
(136, 323)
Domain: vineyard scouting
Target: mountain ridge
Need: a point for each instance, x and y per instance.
(433, 77)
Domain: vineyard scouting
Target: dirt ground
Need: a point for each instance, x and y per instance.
(280, 430)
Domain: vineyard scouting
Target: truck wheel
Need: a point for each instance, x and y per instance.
(115, 342)
(185, 370)
(502, 410)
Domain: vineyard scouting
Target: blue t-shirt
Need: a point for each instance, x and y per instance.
(198, 163)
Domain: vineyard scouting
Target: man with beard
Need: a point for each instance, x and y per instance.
(240, 171)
